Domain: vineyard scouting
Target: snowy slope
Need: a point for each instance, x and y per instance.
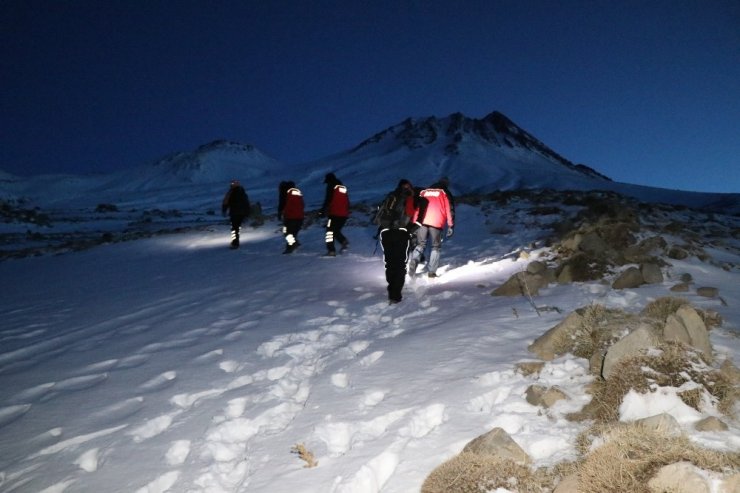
(174, 364)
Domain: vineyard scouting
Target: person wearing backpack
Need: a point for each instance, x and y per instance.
(336, 207)
(436, 210)
(394, 220)
(236, 202)
(291, 212)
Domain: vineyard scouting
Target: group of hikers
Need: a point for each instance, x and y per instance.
(408, 219)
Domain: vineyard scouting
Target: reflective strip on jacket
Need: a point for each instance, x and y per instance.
(293, 204)
(339, 205)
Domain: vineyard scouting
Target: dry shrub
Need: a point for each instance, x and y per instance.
(672, 366)
(632, 455)
(596, 332)
(304, 454)
(661, 308)
(475, 473)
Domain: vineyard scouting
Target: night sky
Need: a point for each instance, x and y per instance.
(646, 92)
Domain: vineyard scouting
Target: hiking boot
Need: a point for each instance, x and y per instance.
(345, 245)
(288, 249)
(234, 245)
(330, 254)
(393, 302)
(432, 275)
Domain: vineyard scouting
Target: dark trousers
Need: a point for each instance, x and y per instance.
(395, 243)
(236, 226)
(291, 227)
(334, 232)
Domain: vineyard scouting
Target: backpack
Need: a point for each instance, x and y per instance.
(391, 212)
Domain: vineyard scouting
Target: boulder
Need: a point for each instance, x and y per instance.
(498, 443)
(642, 338)
(711, 423)
(697, 331)
(521, 284)
(527, 368)
(536, 267)
(594, 244)
(651, 273)
(707, 292)
(681, 287)
(681, 477)
(548, 345)
(661, 422)
(677, 253)
(730, 484)
(630, 278)
(538, 395)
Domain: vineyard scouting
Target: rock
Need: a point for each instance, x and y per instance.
(537, 395)
(697, 331)
(521, 284)
(711, 423)
(528, 368)
(681, 477)
(630, 278)
(707, 292)
(536, 267)
(730, 484)
(661, 422)
(548, 345)
(498, 443)
(572, 243)
(593, 243)
(729, 370)
(651, 273)
(677, 253)
(642, 338)
(566, 274)
(682, 287)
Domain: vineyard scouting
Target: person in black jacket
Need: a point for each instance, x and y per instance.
(236, 203)
(395, 225)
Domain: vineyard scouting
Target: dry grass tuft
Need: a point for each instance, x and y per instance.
(305, 455)
(632, 455)
(474, 473)
(661, 308)
(673, 366)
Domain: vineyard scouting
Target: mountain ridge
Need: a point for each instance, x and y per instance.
(479, 155)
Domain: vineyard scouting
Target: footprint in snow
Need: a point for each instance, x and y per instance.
(119, 410)
(8, 414)
(371, 358)
(159, 382)
(209, 357)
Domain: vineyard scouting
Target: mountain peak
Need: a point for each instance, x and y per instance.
(456, 132)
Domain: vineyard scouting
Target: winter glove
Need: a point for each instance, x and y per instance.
(412, 228)
(449, 232)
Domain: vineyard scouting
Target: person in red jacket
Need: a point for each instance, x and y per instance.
(436, 210)
(290, 211)
(336, 208)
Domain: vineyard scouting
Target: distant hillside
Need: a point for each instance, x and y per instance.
(478, 155)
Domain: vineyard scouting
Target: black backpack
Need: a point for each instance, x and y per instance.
(391, 212)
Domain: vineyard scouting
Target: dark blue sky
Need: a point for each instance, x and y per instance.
(646, 92)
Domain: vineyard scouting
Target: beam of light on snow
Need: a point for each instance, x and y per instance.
(220, 239)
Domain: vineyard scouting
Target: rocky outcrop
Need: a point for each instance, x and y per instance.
(498, 443)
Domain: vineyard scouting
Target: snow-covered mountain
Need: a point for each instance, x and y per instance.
(478, 155)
